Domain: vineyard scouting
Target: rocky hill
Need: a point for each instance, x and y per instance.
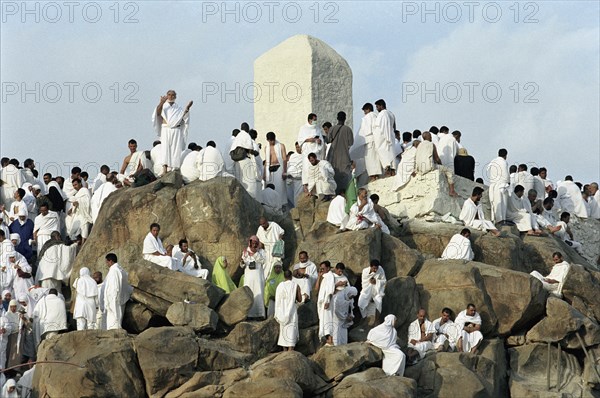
(535, 345)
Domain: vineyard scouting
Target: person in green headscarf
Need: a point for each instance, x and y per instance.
(220, 276)
(271, 284)
(351, 192)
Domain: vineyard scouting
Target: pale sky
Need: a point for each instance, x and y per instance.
(80, 79)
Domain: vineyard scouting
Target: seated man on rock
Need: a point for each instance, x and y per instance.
(469, 321)
(320, 178)
(519, 211)
(553, 283)
(446, 332)
(383, 213)
(564, 232)
(459, 247)
(420, 337)
(362, 215)
(188, 260)
(472, 213)
(373, 284)
(155, 252)
(336, 214)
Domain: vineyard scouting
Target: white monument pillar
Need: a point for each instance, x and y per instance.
(299, 76)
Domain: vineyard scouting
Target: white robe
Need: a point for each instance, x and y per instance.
(271, 201)
(384, 336)
(326, 291)
(98, 181)
(246, 170)
(81, 216)
(294, 178)
(50, 314)
(472, 215)
(189, 170)
(308, 131)
(210, 164)
(564, 236)
(57, 263)
(173, 131)
(268, 237)
(4, 324)
(367, 128)
(385, 137)
(117, 292)
(87, 299)
(470, 340)
(459, 248)
(414, 333)
(559, 273)
(343, 305)
(539, 187)
(286, 313)
(98, 198)
(371, 296)
(13, 180)
(405, 168)
(21, 285)
(255, 280)
(276, 178)
(364, 218)
(448, 331)
(447, 149)
(336, 214)
(306, 284)
(156, 156)
(519, 212)
(152, 245)
(188, 267)
(320, 177)
(497, 172)
(525, 179)
(594, 208)
(134, 162)
(570, 199)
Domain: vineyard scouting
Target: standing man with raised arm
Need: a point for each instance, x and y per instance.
(171, 123)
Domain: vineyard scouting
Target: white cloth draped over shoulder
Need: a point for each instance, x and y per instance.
(336, 214)
(100, 194)
(117, 292)
(50, 314)
(367, 131)
(246, 170)
(558, 273)
(371, 295)
(210, 164)
(57, 263)
(497, 171)
(326, 291)
(416, 331)
(286, 313)
(306, 132)
(87, 297)
(405, 168)
(384, 336)
(364, 218)
(268, 237)
(189, 170)
(472, 339)
(385, 137)
(569, 199)
(276, 177)
(153, 245)
(320, 177)
(472, 215)
(173, 132)
(459, 248)
(447, 149)
(343, 305)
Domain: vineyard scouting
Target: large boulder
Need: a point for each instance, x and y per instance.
(195, 315)
(308, 340)
(528, 372)
(398, 259)
(346, 359)
(454, 284)
(424, 195)
(587, 232)
(235, 307)
(106, 361)
(167, 356)
(539, 250)
(373, 382)
(137, 317)
(432, 238)
(582, 285)
(124, 221)
(307, 314)
(402, 300)
(309, 215)
(208, 384)
(219, 355)
(254, 337)
(288, 365)
(268, 388)
(561, 324)
(518, 298)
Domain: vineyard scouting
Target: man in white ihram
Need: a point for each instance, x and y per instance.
(499, 177)
(286, 312)
(553, 283)
(171, 123)
(155, 252)
(116, 292)
(420, 336)
(470, 322)
(459, 247)
(310, 139)
(472, 213)
(373, 284)
(269, 232)
(385, 137)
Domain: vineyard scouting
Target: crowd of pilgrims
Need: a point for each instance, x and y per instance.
(45, 219)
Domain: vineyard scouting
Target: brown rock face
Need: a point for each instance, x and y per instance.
(346, 358)
(109, 357)
(234, 308)
(373, 382)
(167, 356)
(195, 315)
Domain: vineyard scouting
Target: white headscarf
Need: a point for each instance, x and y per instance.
(384, 335)
(16, 237)
(55, 185)
(9, 383)
(85, 285)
